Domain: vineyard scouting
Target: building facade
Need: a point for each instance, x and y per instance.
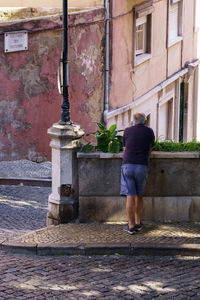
(132, 56)
(49, 3)
(154, 66)
(29, 99)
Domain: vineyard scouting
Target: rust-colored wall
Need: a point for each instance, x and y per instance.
(29, 99)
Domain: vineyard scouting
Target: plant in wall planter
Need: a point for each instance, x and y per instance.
(170, 146)
(107, 140)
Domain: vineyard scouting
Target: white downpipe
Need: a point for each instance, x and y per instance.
(198, 91)
(107, 63)
(198, 75)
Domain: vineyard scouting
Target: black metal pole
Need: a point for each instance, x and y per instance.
(65, 113)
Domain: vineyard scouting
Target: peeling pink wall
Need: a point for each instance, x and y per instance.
(29, 99)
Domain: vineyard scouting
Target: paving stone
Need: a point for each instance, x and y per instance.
(24, 208)
(25, 168)
(96, 277)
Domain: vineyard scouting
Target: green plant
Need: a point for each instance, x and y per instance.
(108, 140)
(170, 146)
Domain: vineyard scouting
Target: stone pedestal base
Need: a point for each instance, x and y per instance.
(63, 201)
(60, 213)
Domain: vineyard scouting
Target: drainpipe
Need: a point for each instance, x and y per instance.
(198, 69)
(107, 50)
(167, 40)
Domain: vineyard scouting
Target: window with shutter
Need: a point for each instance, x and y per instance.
(142, 32)
(173, 21)
(197, 17)
(141, 35)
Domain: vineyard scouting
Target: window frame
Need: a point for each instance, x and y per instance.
(169, 101)
(179, 37)
(142, 22)
(197, 19)
(174, 1)
(141, 11)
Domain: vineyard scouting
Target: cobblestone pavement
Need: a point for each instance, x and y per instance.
(76, 277)
(115, 277)
(22, 209)
(25, 169)
(153, 233)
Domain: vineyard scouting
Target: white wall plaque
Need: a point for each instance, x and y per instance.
(15, 41)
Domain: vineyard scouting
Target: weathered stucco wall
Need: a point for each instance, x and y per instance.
(189, 35)
(49, 3)
(172, 192)
(128, 82)
(29, 99)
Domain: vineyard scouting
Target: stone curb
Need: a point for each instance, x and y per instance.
(19, 248)
(101, 249)
(43, 182)
(166, 250)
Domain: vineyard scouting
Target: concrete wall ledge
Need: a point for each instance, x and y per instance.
(99, 155)
(172, 191)
(154, 154)
(185, 154)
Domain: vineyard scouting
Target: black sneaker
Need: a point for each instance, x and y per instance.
(139, 227)
(130, 230)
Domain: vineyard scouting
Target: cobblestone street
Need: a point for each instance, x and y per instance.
(76, 277)
(23, 208)
(99, 278)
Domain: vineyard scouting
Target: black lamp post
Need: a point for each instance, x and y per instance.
(65, 113)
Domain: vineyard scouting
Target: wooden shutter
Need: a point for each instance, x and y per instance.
(144, 9)
(173, 21)
(197, 16)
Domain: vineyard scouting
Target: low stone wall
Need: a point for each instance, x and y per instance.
(172, 192)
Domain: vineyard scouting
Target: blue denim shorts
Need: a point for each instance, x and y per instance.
(133, 179)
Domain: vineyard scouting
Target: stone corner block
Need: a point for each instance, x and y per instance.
(62, 213)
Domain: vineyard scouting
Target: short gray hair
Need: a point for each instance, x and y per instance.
(139, 118)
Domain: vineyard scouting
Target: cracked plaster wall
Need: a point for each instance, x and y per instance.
(29, 99)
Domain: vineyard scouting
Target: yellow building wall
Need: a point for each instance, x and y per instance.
(49, 3)
(129, 82)
(189, 36)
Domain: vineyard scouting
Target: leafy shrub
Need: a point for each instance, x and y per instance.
(169, 146)
(108, 140)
